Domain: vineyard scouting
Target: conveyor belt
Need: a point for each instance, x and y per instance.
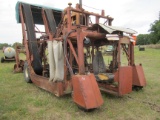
(51, 20)
(33, 47)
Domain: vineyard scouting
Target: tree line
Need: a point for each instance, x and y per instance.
(9, 45)
(153, 37)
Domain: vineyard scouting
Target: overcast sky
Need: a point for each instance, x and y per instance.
(134, 14)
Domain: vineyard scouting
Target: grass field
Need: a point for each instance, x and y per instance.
(22, 101)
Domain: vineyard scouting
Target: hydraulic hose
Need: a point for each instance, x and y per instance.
(65, 49)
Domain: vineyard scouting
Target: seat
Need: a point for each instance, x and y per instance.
(98, 63)
(99, 69)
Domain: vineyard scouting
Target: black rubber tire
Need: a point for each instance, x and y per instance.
(2, 59)
(26, 73)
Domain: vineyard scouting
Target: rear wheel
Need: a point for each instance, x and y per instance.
(2, 59)
(26, 73)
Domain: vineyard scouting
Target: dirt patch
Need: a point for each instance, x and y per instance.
(153, 106)
(33, 109)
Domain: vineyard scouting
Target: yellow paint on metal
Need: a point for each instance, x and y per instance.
(9, 49)
(103, 76)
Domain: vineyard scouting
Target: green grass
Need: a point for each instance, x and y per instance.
(22, 101)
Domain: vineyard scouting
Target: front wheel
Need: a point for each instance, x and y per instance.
(26, 73)
(2, 59)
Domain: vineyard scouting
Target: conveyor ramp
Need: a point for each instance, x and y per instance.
(33, 46)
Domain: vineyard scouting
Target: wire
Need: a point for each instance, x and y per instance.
(65, 47)
(91, 7)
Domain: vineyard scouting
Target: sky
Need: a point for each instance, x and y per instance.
(134, 14)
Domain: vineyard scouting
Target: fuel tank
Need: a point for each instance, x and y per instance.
(9, 52)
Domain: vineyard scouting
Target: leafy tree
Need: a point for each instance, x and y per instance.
(4, 45)
(16, 43)
(155, 31)
(143, 39)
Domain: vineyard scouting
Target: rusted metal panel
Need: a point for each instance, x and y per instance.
(125, 80)
(80, 38)
(125, 40)
(138, 76)
(107, 87)
(56, 88)
(111, 29)
(116, 76)
(86, 92)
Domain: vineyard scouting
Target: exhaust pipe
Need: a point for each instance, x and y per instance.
(80, 4)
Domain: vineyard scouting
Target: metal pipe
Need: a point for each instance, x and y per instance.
(80, 4)
(73, 51)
